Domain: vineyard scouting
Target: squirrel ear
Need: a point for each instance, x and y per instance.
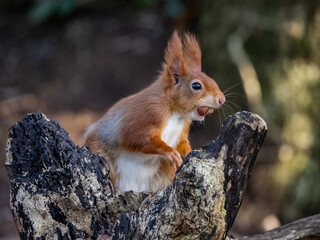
(174, 56)
(191, 51)
(175, 68)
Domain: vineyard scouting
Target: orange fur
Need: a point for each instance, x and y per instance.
(184, 146)
(141, 119)
(191, 51)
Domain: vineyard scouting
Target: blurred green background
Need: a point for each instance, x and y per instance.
(72, 59)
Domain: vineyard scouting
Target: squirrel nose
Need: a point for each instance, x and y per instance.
(221, 101)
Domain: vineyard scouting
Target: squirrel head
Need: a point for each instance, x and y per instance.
(190, 91)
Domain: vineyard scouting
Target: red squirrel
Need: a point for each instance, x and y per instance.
(144, 137)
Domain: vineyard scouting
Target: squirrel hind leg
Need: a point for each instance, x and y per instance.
(97, 146)
(93, 142)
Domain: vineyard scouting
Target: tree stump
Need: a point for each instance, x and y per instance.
(63, 191)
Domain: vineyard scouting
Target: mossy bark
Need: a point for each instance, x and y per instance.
(62, 191)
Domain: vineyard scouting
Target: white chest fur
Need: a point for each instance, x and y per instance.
(173, 129)
(138, 171)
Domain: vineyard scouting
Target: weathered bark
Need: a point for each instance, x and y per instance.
(302, 229)
(62, 191)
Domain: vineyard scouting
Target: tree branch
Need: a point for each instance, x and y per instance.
(302, 229)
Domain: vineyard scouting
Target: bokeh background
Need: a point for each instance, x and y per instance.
(72, 59)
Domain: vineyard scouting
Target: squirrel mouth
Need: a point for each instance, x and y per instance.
(203, 111)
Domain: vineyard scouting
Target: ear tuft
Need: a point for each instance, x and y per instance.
(174, 56)
(191, 51)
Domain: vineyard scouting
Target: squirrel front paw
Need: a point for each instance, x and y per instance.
(175, 157)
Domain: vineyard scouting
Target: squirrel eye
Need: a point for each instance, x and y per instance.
(196, 86)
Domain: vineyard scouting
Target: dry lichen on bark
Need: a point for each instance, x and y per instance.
(62, 191)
